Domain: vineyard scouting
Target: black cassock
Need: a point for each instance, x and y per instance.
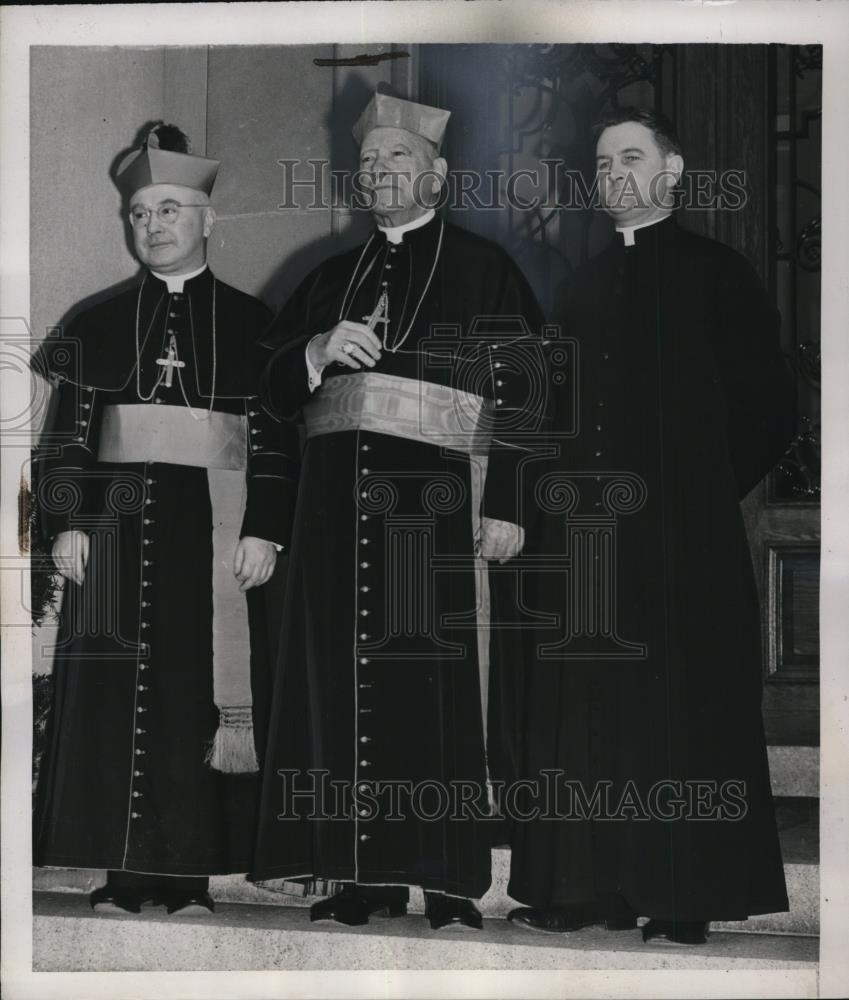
(653, 673)
(123, 784)
(379, 685)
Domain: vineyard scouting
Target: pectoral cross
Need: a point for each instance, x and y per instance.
(170, 362)
(380, 315)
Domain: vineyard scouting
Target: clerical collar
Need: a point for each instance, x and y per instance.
(395, 234)
(175, 282)
(628, 231)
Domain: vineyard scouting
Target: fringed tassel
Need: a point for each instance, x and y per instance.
(233, 750)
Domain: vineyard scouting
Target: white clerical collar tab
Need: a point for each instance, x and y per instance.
(395, 234)
(175, 282)
(628, 231)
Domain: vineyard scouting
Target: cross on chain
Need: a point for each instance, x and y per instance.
(380, 315)
(170, 362)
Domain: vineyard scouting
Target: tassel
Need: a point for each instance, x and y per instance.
(233, 750)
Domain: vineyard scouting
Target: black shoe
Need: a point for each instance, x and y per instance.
(110, 900)
(563, 919)
(189, 904)
(677, 931)
(354, 908)
(448, 911)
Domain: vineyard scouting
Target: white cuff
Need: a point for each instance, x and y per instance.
(313, 373)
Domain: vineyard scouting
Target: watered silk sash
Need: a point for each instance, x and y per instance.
(170, 434)
(403, 407)
(144, 433)
(421, 411)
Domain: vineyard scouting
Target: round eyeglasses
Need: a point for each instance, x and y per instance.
(168, 213)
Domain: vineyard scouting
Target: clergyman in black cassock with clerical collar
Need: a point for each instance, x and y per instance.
(412, 359)
(164, 487)
(643, 704)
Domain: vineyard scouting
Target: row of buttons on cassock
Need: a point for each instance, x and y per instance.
(146, 605)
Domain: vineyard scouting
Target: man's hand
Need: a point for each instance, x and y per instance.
(70, 554)
(351, 344)
(501, 540)
(254, 562)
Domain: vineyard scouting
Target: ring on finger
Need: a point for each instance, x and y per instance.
(347, 347)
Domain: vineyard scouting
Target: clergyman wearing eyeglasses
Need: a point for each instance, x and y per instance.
(163, 488)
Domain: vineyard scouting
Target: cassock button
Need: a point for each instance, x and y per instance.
(365, 447)
(363, 636)
(84, 423)
(365, 565)
(139, 752)
(86, 406)
(498, 402)
(605, 356)
(363, 517)
(138, 774)
(598, 454)
(388, 267)
(363, 660)
(364, 836)
(365, 739)
(145, 625)
(137, 795)
(146, 583)
(365, 612)
(363, 788)
(364, 541)
(365, 589)
(135, 815)
(499, 382)
(363, 812)
(598, 427)
(145, 604)
(365, 763)
(497, 364)
(601, 402)
(148, 541)
(79, 440)
(365, 472)
(143, 666)
(364, 495)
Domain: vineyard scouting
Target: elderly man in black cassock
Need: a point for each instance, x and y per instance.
(643, 705)
(164, 487)
(410, 359)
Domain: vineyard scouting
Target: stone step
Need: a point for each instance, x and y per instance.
(802, 889)
(67, 936)
(794, 771)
